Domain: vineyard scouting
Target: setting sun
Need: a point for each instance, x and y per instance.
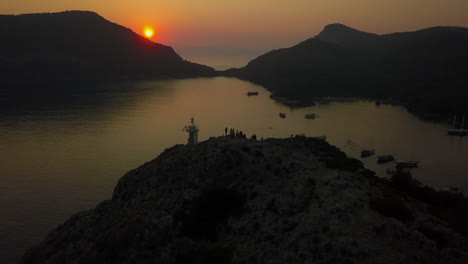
(148, 31)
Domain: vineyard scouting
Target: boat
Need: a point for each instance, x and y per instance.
(460, 131)
(320, 137)
(454, 190)
(385, 158)
(310, 116)
(367, 153)
(407, 164)
(282, 115)
(252, 93)
(457, 132)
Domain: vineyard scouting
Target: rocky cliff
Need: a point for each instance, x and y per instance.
(228, 200)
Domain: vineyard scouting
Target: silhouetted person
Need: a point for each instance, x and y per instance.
(225, 131)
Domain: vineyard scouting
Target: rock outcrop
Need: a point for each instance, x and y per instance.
(227, 200)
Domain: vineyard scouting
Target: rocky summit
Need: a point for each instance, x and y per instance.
(233, 200)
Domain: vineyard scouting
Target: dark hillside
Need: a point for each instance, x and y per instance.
(428, 69)
(79, 45)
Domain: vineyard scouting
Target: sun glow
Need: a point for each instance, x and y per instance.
(148, 32)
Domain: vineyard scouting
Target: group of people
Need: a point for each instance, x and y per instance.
(234, 133)
(237, 133)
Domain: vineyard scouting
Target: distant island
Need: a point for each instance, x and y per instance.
(233, 200)
(82, 46)
(426, 69)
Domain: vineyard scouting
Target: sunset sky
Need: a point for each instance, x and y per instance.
(222, 33)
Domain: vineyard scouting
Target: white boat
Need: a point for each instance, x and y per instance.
(460, 131)
(407, 164)
(385, 158)
(367, 153)
(310, 116)
(320, 138)
(454, 190)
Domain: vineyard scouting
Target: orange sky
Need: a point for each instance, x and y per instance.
(242, 29)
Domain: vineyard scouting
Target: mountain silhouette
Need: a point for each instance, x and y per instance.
(81, 45)
(426, 68)
(348, 37)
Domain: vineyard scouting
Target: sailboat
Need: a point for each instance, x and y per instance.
(458, 132)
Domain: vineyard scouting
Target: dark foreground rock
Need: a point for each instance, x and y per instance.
(296, 200)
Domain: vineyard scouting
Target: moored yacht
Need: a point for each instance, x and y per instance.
(385, 158)
(367, 153)
(407, 164)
